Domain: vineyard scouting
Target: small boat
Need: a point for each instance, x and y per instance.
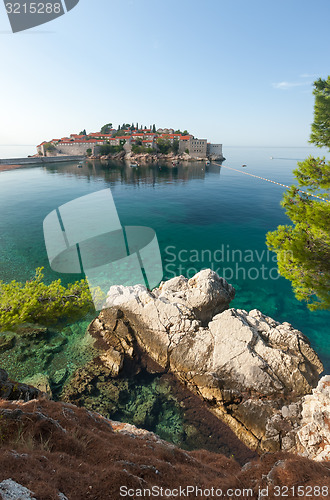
(207, 162)
(80, 164)
(134, 165)
(244, 165)
(174, 163)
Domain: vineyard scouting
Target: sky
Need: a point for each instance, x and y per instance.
(236, 72)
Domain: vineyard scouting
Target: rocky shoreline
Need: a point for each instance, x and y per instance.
(223, 366)
(254, 374)
(152, 157)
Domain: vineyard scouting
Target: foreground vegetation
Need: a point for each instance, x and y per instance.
(303, 248)
(36, 302)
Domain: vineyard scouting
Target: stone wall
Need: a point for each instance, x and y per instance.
(196, 147)
(214, 149)
(73, 149)
(39, 160)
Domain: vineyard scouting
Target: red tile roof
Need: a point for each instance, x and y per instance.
(170, 135)
(99, 134)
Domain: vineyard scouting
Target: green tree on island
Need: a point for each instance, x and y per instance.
(107, 149)
(49, 147)
(164, 145)
(175, 146)
(303, 248)
(106, 128)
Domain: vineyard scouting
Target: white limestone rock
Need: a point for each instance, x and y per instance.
(10, 490)
(314, 433)
(244, 363)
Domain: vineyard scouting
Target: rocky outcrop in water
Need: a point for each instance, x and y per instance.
(245, 365)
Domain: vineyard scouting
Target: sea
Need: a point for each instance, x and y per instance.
(205, 216)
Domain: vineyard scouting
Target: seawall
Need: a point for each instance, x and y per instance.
(39, 160)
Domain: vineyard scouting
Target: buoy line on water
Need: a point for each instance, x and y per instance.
(273, 182)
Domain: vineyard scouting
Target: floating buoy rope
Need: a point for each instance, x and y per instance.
(273, 182)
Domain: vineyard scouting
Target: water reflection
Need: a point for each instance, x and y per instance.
(118, 172)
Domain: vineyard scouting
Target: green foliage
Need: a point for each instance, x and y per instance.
(36, 302)
(303, 249)
(122, 131)
(175, 146)
(83, 132)
(106, 128)
(89, 151)
(107, 149)
(320, 135)
(186, 151)
(165, 146)
(124, 127)
(313, 174)
(141, 149)
(48, 147)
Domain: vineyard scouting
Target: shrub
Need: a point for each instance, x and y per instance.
(36, 302)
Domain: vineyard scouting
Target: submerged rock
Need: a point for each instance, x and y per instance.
(245, 365)
(40, 381)
(7, 341)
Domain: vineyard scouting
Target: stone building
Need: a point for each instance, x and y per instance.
(214, 151)
(197, 148)
(79, 144)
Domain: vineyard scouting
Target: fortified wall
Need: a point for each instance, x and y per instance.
(39, 160)
(73, 149)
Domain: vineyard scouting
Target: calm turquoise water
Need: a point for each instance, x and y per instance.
(203, 217)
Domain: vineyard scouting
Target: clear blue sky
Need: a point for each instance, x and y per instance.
(233, 71)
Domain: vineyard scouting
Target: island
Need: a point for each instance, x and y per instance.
(132, 143)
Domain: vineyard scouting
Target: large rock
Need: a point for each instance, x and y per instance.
(15, 390)
(244, 364)
(10, 490)
(40, 381)
(314, 433)
(175, 308)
